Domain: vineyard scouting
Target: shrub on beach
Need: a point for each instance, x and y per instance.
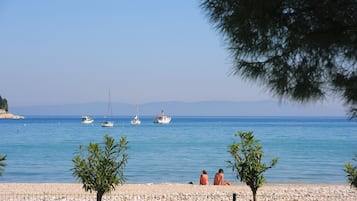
(247, 164)
(101, 169)
(351, 172)
(2, 163)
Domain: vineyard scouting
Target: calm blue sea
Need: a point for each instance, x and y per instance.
(310, 149)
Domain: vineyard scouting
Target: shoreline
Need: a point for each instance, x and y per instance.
(7, 115)
(177, 191)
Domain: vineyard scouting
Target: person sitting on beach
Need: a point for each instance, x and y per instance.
(219, 178)
(204, 178)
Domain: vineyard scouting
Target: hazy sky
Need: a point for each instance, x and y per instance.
(65, 51)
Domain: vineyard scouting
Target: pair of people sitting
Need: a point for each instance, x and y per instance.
(218, 178)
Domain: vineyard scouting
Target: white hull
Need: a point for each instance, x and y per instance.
(166, 120)
(87, 121)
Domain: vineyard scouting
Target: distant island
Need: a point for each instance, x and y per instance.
(180, 108)
(4, 114)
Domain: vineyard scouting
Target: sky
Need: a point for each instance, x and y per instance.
(65, 52)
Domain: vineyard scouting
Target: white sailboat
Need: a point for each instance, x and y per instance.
(109, 123)
(136, 120)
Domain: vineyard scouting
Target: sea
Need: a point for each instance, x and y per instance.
(40, 149)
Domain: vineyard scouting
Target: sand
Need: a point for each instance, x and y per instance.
(74, 192)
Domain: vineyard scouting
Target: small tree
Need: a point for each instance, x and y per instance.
(247, 163)
(351, 172)
(101, 169)
(3, 104)
(2, 163)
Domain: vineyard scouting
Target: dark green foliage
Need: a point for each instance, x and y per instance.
(99, 168)
(247, 164)
(300, 49)
(2, 163)
(3, 104)
(351, 173)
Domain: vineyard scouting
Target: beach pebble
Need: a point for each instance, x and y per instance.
(177, 192)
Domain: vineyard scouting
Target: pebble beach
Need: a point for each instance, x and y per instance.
(188, 192)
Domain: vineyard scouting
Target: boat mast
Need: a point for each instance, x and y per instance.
(109, 110)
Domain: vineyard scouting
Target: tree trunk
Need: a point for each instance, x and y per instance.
(99, 196)
(254, 195)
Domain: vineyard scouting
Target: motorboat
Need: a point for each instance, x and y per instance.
(162, 118)
(86, 120)
(135, 120)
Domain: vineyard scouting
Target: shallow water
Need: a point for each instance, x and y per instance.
(310, 149)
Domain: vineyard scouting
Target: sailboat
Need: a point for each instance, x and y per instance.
(136, 120)
(109, 123)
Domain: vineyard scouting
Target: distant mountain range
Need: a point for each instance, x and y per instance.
(173, 108)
